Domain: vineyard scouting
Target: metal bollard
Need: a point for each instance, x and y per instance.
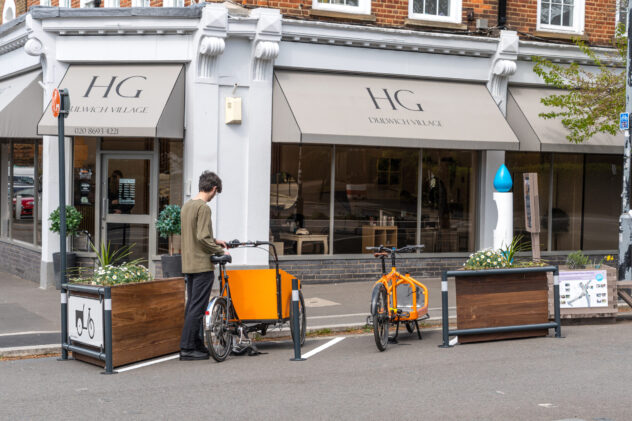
(64, 322)
(295, 322)
(444, 311)
(556, 303)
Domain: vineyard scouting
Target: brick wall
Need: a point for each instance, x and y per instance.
(20, 261)
(521, 15)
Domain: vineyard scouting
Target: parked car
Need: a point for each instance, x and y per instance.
(23, 203)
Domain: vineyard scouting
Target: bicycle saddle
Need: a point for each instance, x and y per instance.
(226, 258)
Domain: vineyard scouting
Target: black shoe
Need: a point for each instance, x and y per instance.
(193, 355)
(202, 348)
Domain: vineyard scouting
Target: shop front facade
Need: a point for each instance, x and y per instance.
(347, 137)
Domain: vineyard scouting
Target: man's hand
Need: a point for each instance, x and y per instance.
(221, 243)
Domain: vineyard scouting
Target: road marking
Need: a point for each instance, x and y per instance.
(319, 302)
(34, 332)
(546, 405)
(145, 364)
(338, 315)
(322, 347)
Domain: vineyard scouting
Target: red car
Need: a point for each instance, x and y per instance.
(23, 209)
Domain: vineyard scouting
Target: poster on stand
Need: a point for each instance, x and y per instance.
(583, 289)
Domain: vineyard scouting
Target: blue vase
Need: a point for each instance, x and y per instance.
(502, 181)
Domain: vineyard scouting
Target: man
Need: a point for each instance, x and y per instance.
(198, 245)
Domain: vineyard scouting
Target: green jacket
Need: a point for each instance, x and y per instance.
(198, 243)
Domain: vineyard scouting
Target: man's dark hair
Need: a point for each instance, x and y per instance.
(208, 180)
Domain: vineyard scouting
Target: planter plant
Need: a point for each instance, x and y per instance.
(73, 222)
(507, 297)
(168, 225)
(147, 314)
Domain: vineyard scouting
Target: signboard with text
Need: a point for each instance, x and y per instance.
(583, 289)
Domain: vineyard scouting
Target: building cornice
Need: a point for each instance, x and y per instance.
(13, 40)
(566, 53)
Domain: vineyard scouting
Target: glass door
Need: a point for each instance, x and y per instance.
(127, 203)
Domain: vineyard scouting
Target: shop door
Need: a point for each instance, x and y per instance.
(127, 204)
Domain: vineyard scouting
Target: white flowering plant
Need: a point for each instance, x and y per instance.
(126, 273)
(486, 259)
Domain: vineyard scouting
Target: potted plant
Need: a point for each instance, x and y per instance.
(147, 314)
(509, 297)
(73, 221)
(168, 225)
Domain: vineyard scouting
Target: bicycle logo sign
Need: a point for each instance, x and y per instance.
(85, 320)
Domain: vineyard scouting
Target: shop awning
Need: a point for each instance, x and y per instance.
(549, 135)
(381, 111)
(122, 100)
(19, 97)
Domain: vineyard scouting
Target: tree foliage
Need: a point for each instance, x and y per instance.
(592, 101)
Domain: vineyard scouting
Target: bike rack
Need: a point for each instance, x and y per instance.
(106, 353)
(557, 324)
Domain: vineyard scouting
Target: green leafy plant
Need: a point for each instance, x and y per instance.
(73, 220)
(517, 245)
(168, 224)
(577, 260)
(127, 273)
(106, 256)
(608, 259)
(486, 259)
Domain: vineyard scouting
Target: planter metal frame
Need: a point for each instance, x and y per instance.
(557, 325)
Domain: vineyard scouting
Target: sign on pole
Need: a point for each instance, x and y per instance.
(624, 121)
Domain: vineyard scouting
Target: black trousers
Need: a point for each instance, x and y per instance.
(198, 292)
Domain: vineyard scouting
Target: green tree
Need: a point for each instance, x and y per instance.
(591, 102)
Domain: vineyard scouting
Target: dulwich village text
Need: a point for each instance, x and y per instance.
(105, 109)
(405, 121)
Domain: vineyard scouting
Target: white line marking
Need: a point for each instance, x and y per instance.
(30, 347)
(322, 347)
(145, 364)
(338, 315)
(35, 332)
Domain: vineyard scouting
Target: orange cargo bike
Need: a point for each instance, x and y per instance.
(253, 300)
(396, 299)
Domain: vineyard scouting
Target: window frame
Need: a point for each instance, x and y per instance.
(456, 11)
(363, 7)
(579, 16)
(617, 21)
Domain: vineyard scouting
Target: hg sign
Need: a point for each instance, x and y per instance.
(117, 86)
(397, 100)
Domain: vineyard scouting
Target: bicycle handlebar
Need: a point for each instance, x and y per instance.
(385, 251)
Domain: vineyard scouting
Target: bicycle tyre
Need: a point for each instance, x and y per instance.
(379, 313)
(302, 318)
(79, 327)
(91, 328)
(410, 327)
(219, 340)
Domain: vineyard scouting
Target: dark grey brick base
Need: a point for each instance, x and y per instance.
(322, 271)
(20, 261)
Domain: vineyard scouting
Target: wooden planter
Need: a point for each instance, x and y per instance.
(504, 299)
(147, 320)
(602, 314)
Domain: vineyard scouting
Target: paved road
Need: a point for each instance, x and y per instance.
(583, 376)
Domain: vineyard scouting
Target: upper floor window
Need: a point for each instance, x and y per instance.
(345, 6)
(561, 15)
(8, 11)
(622, 13)
(173, 3)
(437, 10)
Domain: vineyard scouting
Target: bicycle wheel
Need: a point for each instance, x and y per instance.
(302, 318)
(79, 327)
(91, 328)
(218, 338)
(379, 313)
(410, 327)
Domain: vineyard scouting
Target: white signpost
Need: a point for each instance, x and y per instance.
(85, 320)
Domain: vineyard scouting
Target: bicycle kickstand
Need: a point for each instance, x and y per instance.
(418, 330)
(393, 340)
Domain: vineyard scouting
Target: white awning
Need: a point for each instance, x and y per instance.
(122, 100)
(538, 134)
(381, 111)
(21, 99)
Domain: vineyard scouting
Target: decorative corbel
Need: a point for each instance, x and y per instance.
(266, 43)
(265, 53)
(503, 66)
(210, 49)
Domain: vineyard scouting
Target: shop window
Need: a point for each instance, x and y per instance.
(518, 164)
(170, 184)
(602, 204)
(448, 204)
(344, 6)
(25, 192)
(561, 16)
(375, 198)
(300, 190)
(84, 191)
(435, 10)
